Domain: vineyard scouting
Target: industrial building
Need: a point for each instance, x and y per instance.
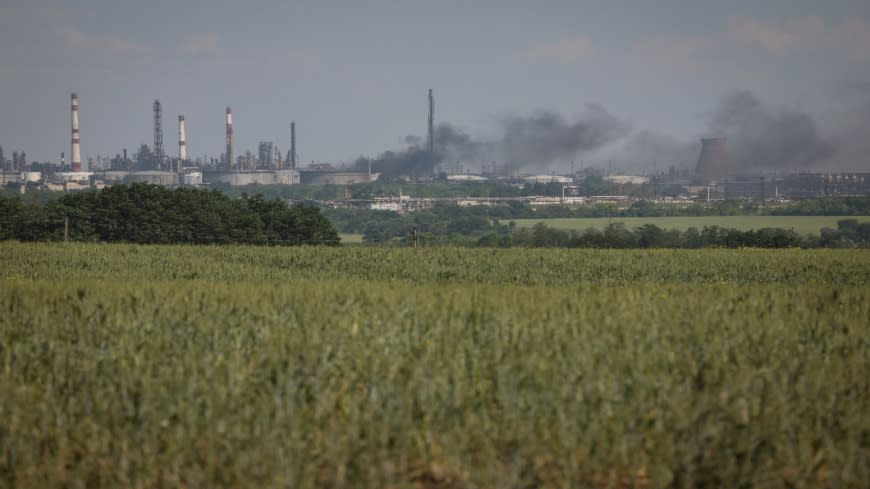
(547, 179)
(7, 177)
(628, 179)
(335, 177)
(260, 177)
(467, 177)
(809, 185)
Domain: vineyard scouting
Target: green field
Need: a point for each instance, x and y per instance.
(351, 238)
(183, 366)
(799, 224)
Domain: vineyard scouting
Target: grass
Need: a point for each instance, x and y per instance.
(59, 261)
(800, 224)
(181, 366)
(351, 238)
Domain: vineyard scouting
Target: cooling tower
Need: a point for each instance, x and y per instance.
(713, 162)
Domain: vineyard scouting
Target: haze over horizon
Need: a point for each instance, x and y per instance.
(787, 81)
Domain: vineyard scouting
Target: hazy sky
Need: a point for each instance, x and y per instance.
(354, 74)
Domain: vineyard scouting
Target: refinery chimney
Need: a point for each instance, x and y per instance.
(76, 153)
(182, 141)
(431, 125)
(293, 145)
(229, 138)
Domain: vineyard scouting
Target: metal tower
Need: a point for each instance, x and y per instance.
(266, 155)
(158, 135)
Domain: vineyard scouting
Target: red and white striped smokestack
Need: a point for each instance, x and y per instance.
(229, 138)
(76, 154)
(182, 140)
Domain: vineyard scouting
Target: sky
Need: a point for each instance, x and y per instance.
(354, 75)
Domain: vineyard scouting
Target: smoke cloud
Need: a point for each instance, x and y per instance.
(647, 151)
(761, 137)
(525, 143)
(413, 161)
(846, 126)
(545, 137)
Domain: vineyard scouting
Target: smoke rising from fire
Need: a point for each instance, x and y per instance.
(525, 143)
(545, 137)
(762, 137)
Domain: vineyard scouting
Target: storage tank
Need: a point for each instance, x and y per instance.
(30, 176)
(193, 178)
(154, 177)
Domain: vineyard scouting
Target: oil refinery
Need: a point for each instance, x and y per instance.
(713, 176)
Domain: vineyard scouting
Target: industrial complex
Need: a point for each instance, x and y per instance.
(713, 177)
(267, 167)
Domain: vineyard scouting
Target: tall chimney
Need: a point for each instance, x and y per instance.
(76, 154)
(431, 126)
(293, 145)
(182, 140)
(229, 138)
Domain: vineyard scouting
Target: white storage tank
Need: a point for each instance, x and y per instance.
(30, 176)
(154, 177)
(193, 178)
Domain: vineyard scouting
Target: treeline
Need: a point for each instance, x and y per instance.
(492, 226)
(442, 223)
(451, 219)
(385, 186)
(480, 226)
(150, 214)
(849, 234)
(827, 206)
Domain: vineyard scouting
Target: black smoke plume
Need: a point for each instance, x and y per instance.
(534, 142)
(761, 137)
(527, 143)
(649, 151)
(846, 123)
(414, 161)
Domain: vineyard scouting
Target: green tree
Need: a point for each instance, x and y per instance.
(11, 210)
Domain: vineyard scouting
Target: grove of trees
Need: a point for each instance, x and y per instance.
(143, 213)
